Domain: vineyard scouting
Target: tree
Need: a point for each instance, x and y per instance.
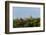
(28, 22)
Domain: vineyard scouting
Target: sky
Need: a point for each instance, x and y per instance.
(23, 12)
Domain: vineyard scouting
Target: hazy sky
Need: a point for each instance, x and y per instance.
(22, 12)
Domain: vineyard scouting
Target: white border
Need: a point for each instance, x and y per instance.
(11, 29)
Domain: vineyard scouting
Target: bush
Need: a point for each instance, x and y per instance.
(28, 22)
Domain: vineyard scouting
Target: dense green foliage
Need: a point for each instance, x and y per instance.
(27, 22)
